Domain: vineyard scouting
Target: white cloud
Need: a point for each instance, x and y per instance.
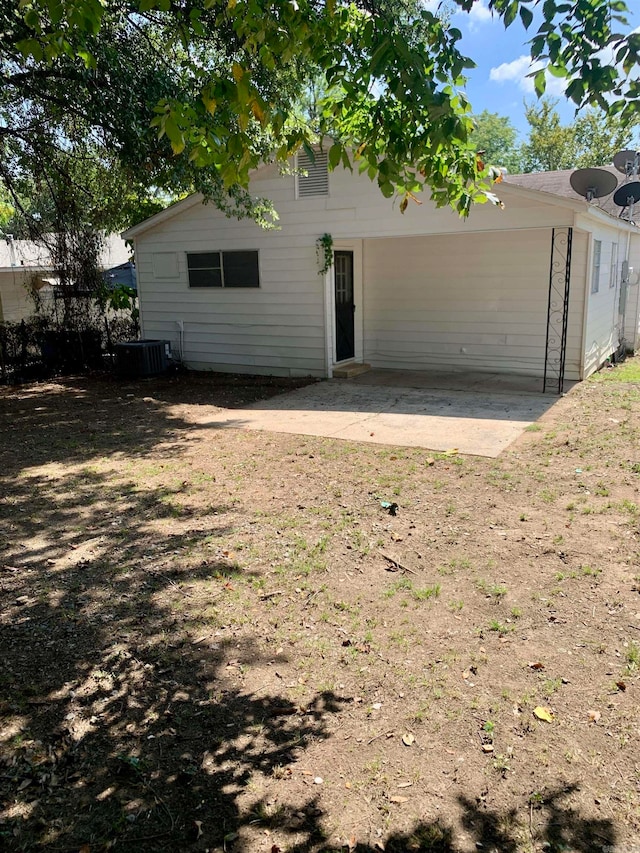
(511, 71)
(480, 13)
(431, 5)
(517, 72)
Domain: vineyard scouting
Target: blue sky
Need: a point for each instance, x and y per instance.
(499, 83)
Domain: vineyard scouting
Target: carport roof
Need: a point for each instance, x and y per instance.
(558, 183)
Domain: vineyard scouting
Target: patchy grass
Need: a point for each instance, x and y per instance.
(205, 648)
(628, 371)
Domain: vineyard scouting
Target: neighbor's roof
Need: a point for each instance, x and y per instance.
(25, 254)
(558, 184)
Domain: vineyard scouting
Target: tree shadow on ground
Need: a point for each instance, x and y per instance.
(122, 726)
(76, 420)
(125, 720)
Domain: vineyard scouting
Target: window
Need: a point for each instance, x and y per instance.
(313, 179)
(613, 277)
(595, 275)
(223, 269)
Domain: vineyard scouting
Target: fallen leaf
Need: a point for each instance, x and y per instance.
(408, 739)
(536, 665)
(405, 784)
(594, 716)
(399, 800)
(543, 714)
(621, 685)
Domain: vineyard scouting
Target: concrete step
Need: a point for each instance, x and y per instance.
(347, 371)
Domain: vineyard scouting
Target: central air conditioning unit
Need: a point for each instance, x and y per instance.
(137, 359)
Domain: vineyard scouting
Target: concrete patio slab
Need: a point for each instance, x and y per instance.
(479, 423)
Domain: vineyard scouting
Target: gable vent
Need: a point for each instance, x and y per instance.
(316, 180)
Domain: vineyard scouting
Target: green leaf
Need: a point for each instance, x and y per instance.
(526, 16)
(540, 82)
(558, 70)
(30, 47)
(335, 153)
(510, 14)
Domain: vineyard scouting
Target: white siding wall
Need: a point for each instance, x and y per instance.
(16, 303)
(276, 329)
(475, 301)
(280, 328)
(603, 331)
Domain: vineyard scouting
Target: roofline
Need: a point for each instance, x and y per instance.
(609, 219)
(162, 216)
(26, 268)
(535, 195)
(578, 206)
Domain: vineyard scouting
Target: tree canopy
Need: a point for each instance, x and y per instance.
(592, 139)
(496, 139)
(194, 94)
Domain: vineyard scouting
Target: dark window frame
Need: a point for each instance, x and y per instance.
(200, 263)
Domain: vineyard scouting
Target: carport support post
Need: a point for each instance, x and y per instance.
(555, 352)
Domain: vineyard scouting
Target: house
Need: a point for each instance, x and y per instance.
(24, 269)
(544, 287)
(27, 269)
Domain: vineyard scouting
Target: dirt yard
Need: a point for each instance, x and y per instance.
(213, 639)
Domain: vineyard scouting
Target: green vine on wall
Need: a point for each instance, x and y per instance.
(324, 251)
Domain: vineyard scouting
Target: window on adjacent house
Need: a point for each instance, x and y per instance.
(613, 277)
(313, 177)
(223, 269)
(595, 275)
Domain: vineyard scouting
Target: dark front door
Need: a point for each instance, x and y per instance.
(345, 329)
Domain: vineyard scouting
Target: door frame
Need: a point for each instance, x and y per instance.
(354, 246)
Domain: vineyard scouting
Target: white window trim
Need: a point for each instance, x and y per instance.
(613, 274)
(596, 265)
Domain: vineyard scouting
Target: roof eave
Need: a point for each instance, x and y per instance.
(162, 216)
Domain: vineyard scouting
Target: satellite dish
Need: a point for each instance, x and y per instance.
(627, 194)
(626, 162)
(593, 183)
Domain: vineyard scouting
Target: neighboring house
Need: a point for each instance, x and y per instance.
(26, 267)
(530, 289)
